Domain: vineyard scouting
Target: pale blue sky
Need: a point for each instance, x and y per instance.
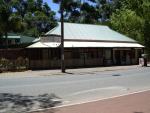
(54, 7)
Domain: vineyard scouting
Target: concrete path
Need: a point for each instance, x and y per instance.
(134, 103)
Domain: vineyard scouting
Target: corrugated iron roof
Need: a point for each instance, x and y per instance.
(75, 31)
(73, 44)
(23, 38)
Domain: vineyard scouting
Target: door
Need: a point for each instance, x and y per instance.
(117, 57)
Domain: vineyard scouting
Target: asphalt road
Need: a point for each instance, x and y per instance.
(72, 88)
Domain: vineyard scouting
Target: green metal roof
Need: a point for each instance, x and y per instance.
(27, 39)
(12, 36)
(23, 39)
(75, 31)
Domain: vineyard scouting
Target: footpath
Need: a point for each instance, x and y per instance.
(78, 71)
(134, 103)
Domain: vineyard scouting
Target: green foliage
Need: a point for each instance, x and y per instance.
(76, 11)
(9, 21)
(21, 63)
(28, 17)
(89, 14)
(146, 16)
(133, 20)
(4, 63)
(33, 17)
(105, 8)
(38, 16)
(127, 22)
(70, 8)
(89, 11)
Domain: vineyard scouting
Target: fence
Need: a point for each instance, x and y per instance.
(13, 60)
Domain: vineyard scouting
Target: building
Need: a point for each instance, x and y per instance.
(85, 46)
(16, 46)
(15, 39)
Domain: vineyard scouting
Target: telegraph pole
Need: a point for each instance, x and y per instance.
(62, 38)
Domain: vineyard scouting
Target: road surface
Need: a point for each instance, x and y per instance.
(78, 88)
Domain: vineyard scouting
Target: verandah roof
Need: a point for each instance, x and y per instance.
(74, 44)
(44, 45)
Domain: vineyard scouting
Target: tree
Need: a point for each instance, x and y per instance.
(133, 20)
(79, 11)
(39, 5)
(28, 17)
(21, 7)
(89, 14)
(47, 9)
(105, 9)
(127, 22)
(37, 16)
(146, 8)
(31, 6)
(89, 11)
(69, 6)
(9, 21)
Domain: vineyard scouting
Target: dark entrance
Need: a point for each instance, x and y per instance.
(117, 57)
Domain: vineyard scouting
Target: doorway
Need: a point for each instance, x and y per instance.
(117, 58)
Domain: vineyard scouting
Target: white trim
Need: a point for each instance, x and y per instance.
(101, 44)
(74, 44)
(44, 45)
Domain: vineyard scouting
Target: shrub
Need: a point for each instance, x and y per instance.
(14, 65)
(4, 63)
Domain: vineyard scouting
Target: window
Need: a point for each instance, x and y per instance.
(75, 54)
(17, 41)
(107, 54)
(55, 54)
(9, 41)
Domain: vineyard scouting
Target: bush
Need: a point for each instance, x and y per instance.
(4, 63)
(14, 65)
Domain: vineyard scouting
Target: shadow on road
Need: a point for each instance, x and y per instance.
(17, 103)
(116, 75)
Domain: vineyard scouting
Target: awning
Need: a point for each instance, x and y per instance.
(52, 44)
(44, 45)
(73, 44)
(101, 44)
(37, 45)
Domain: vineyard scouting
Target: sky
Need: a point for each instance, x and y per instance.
(53, 6)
